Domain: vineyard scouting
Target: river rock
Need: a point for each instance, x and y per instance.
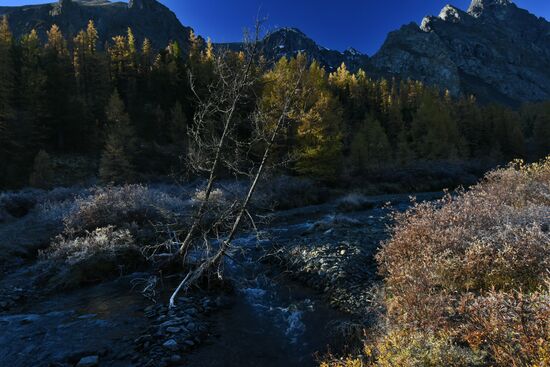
(89, 361)
(171, 345)
(342, 271)
(175, 358)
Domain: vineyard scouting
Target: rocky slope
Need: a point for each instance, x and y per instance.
(290, 41)
(147, 18)
(495, 50)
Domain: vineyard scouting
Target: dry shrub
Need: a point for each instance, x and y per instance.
(471, 266)
(121, 206)
(93, 257)
(493, 236)
(342, 362)
(400, 348)
(417, 349)
(514, 327)
(105, 241)
(216, 196)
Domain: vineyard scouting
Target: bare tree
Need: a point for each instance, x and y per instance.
(266, 131)
(224, 95)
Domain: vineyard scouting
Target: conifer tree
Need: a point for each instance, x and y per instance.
(502, 133)
(7, 88)
(315, 136)
(56, 42)
(178, 125)
(370, 148)
(117, 159)
(434, 131)
(32, 83)
(470, 125)
(541, 131)
(42, 173)
(92, 81)
(209, 52)
(146, 62)
(7, 75)
(319, 140)
(404, 153)
(132, 51)
(195, 48)
(394, 123)
(64, 109)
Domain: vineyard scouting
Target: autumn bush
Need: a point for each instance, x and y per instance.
(404, 348)
(513, 326)
(466, 277)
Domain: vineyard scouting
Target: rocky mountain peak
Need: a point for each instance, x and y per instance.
(496, 51)
(288, 42)
(290, 30)
(147, 19)
(451, 14)
(484, 7)
(62, 6)
(142, 4)
(353, 52)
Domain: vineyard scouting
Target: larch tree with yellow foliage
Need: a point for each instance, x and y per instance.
(314, 138)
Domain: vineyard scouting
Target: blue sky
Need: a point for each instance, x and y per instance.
(362, 24)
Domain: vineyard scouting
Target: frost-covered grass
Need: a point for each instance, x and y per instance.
(73, 226)
(107, 241)
(18, 204)
(122, 206)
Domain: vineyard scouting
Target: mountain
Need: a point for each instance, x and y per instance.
(147, 18)
(289, 41)
(494, 50)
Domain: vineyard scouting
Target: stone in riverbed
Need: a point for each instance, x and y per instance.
(89, 361)
(171, 345)
(175, 358)
(173, 330)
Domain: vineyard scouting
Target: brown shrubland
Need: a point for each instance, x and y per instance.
(467, 277)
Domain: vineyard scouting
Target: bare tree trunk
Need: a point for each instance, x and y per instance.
(215, 165)
(195, 275)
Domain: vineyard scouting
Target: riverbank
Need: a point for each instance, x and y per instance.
(289, 293)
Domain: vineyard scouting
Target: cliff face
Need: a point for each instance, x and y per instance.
(495, 50)
(147, 18)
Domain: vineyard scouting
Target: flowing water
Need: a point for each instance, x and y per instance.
(273, 321)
